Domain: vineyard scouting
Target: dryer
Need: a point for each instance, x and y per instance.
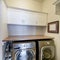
(46, 50)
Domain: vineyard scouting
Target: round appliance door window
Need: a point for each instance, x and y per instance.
(24, 55)
(47, 53)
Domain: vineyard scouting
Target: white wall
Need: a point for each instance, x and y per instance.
(25, 30)
(49, 8)
(3, 29)
(0, 35)
(4, 20)
(25, 4)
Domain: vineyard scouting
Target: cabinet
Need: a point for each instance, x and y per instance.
(57, 4)
(23, 17)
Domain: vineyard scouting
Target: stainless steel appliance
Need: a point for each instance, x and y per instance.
(7, 50)
(46, 50)
(24, 51)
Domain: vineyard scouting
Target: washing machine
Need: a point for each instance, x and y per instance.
(24, 51)
(46, 50)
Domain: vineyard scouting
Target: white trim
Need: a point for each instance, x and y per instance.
(57, 2)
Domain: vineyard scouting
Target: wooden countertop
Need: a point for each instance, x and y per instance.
(27, 38)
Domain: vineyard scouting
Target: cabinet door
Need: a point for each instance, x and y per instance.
(43, 20)
(13, 16)
(38, 19)
(28, 18)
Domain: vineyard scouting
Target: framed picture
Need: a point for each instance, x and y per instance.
(53, 27)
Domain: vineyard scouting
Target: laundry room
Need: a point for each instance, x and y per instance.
(29, 29)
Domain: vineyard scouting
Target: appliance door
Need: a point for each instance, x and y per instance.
(47, 53)
(25, 54)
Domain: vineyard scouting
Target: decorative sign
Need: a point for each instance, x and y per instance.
(53, 27)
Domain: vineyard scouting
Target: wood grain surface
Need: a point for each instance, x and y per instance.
(24, 38)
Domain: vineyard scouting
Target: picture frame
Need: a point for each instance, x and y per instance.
(53, 27)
